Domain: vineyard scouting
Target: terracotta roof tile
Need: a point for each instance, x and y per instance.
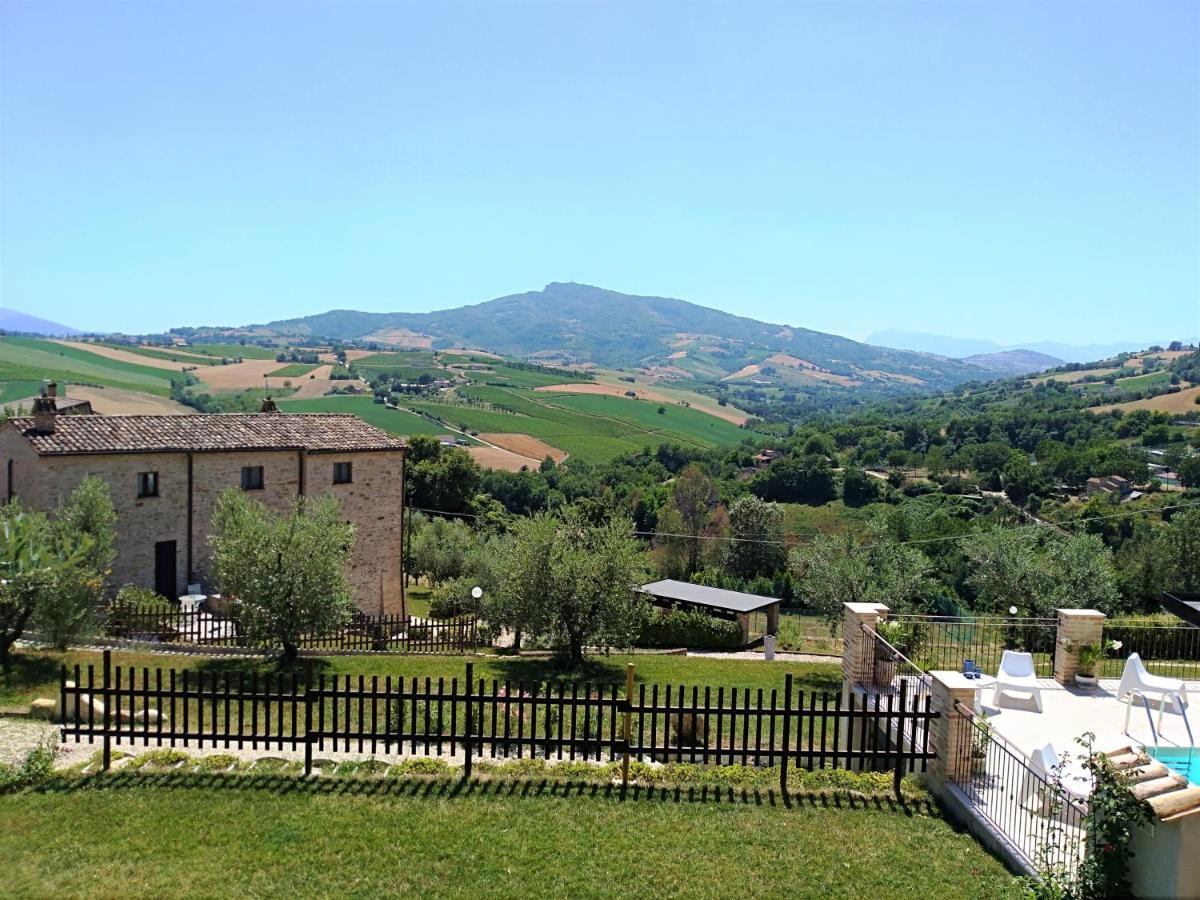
(318, 432)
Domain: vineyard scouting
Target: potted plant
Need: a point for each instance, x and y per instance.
(1089, 656)
(981, 736)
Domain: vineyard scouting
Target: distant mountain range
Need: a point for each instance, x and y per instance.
(1013, 362)
(13, 320)
(962, 348)
(578, 323)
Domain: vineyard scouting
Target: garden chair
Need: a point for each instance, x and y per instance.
(1017, 673)
(1073, 777)
(1136, 680)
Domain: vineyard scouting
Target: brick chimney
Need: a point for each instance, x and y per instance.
(269, 405)
(52, 390)
(45, 411)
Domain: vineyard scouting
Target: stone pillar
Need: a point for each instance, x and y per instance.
(1077, 626)
(857, 651)
(950, 733)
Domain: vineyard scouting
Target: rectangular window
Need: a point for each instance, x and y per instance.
(147, 484)
(343, 472)
(252, 478)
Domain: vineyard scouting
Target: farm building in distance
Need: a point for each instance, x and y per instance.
(748, 610)
(166, 473)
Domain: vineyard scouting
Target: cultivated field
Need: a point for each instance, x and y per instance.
(246, 374)
(31, 359)
(1182, 402)
(127, 356)
(525, 445)
(1069, 377)
(393, 421)
(497, 458)
(107, 401)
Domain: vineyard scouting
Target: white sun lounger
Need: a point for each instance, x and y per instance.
(1073, 777)
(1017, 673)
(1135, 679)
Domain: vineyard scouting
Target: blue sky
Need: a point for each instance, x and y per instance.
(1009, 170)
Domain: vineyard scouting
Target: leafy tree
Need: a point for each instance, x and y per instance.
(570, 582)
(687, 522)
(45, 578)
(1022, 568)
(286, 572)
(756, 534)
(789, 480)
(838, 569)
(858, 488)
(440, 548)
(439, 478)
(1179, 553)
(1189, 472)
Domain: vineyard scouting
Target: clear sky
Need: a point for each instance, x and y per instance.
(1010, 170)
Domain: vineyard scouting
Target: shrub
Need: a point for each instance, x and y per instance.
(398, 716)
(689, 629)
(34, 769)
(139, 599)
(218, 762)
(161, 760)
(420, 766)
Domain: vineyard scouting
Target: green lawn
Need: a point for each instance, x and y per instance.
(201, 836)
(29, 359)
(294, 370)
(393, 421)
(35, 674)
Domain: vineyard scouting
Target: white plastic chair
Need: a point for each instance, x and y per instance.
(1017, 673)
(1073, 777)
(1135, 679)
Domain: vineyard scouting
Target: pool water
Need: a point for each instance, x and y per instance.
(1184, 760)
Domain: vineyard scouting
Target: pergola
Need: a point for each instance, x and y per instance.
(716, 602)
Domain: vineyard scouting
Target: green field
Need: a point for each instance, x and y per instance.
(593, 428)
(209, 836)
(25, 359)
(246, 351)
(293, 370)
(163, 353)
(417, 359)
(520, 378)
(393, 421)
(11, 391)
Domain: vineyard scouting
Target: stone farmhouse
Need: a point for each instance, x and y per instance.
(166, 473)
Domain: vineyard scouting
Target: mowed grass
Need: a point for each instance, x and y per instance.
(36, 673)
(393, 421)
(30, 358)
(276, 838)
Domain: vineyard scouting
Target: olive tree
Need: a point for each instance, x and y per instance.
(52, 569)
(570, 582)
(286, 572)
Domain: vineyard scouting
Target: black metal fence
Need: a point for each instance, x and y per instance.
(893, 676)
(475, 717)
(1168, 649)
(946, 642)
(364, 633)
(1033, 812)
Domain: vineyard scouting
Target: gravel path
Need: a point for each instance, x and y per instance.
(18, 736)
(758, 655)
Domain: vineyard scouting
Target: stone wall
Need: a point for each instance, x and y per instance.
(372, 501)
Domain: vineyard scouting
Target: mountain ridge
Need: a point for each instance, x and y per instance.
(15, 320)
(961, 348)
(576, 323)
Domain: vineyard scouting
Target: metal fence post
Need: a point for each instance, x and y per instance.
(787, 732)
(470, 722)
(107, 708)
(308, 716)
(628, 725)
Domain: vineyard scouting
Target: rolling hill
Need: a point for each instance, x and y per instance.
(576, 323)
(1013, 362)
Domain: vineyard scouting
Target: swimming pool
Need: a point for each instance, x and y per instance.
(1184, 760)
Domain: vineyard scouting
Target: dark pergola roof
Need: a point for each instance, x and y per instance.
(702, 595)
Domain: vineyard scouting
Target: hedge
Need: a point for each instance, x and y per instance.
(689, 629)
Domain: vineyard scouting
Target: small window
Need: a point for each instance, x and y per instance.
(147, 484)
(252, 478)
(343, 472)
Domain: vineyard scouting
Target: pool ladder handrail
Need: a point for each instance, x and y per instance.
(1176, 698)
